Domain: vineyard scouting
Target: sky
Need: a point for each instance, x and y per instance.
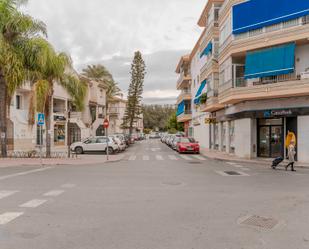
(108, 32)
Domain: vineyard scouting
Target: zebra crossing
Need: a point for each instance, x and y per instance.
(162, 157)
(20, 208)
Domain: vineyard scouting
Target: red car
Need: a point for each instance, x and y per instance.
(187, 145)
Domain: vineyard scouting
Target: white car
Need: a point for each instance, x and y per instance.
(95, 144)
(121, 144)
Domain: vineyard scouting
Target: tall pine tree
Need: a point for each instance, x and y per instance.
(134, 107)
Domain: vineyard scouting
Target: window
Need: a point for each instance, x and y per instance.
(101, 140)
(90, 141)
(18, 102)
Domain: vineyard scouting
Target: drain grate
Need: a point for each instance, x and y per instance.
(232, 173)
(262, 222)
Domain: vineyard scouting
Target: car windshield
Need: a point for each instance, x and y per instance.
(187, 140)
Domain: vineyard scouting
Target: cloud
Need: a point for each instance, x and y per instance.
(108, 32)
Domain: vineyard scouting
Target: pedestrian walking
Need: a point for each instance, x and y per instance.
(291, 156)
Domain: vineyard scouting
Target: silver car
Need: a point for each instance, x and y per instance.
(95, 144)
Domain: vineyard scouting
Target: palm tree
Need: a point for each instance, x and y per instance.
(20, 37)
(57, 69)
(101, 74)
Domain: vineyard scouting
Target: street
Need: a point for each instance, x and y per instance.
(153, 198)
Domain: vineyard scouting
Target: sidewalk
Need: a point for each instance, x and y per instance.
(232, 158)
(80, 160)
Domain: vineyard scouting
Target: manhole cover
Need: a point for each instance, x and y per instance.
(232, 173)
(258, 221)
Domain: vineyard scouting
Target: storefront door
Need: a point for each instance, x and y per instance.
(270, 138)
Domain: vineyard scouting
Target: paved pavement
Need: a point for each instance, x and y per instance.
(154, 198)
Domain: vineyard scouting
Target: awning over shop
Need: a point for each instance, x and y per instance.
(199, 92)
(181, 108)
(207, 50)
(270, 61)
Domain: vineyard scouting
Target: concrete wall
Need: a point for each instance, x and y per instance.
(201, 134)
(243, 137)
(303, 138)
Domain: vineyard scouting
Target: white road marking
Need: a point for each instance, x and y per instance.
(24, 173)
(33, 203)
(68, 185)
(159, 157)
(9, 216)
(172, 157)
(4, 194)
(199, 157)
(246, 169)
(146, 158)
(231, 163)
(185, 157)
(132, 158)
(54, 193)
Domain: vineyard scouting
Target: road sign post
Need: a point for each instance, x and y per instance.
(40, 123)
(106, 125)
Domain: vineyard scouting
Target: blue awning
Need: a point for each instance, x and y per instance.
(199, 92)
(270, 62)
(255, 14)
(207, 50)
(181, 108)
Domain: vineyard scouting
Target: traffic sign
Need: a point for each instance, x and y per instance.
(106, 123)
(41, 119)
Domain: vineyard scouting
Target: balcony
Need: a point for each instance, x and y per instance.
(212, 104)
(281, 86)
(184, 95)
(76, 115)
(183, 80)
(185, 116)
(113, 111)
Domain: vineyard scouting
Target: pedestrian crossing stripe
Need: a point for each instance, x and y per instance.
(162, 158)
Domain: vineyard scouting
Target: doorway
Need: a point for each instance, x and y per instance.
(270, 138)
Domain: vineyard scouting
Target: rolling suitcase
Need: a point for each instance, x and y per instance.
(276, 162)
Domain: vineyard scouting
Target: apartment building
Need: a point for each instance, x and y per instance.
(25, 137)
(263, 87)
(116, 110)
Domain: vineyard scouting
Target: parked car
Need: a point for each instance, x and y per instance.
(95, 144)
(121, 144)
(187, 145)
(154, 135)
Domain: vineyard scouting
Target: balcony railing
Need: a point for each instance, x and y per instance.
(182, 77)
(113, 110)
(77, 115)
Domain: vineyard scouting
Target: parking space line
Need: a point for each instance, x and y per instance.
(4, 193)
(54, 193)
(33, 203)
(9, 216)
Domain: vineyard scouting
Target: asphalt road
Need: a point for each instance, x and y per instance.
(154, 199)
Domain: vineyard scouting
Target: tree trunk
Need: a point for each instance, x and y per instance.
(3, 115)
(48, 114)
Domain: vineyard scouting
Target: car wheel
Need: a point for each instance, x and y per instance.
(110, 150)
(79, 150)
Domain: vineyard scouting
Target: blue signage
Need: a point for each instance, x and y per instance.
(41, 119)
